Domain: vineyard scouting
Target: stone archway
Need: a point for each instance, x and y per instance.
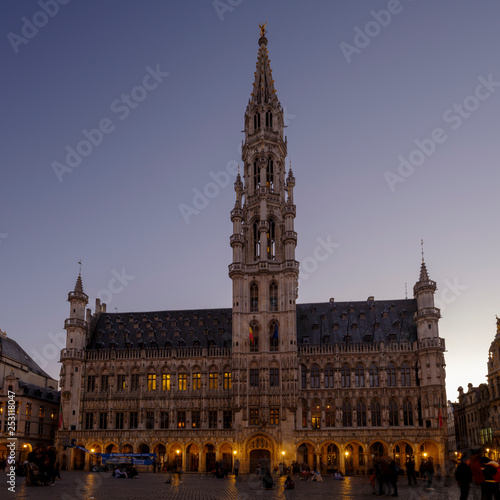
(259, 450)
(193, 457)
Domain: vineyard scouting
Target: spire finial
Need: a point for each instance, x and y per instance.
(263, 29)
(422, 246)
(80, 262)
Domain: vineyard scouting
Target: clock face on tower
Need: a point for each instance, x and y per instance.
(66, 395)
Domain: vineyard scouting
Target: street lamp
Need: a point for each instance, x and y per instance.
(283, 460)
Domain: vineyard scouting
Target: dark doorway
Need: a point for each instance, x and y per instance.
(259, 457)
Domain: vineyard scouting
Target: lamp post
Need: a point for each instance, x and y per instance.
(346, 463)
(283, 460)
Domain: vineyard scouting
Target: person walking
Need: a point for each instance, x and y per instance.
(236, 467)
(428, 471)
(410, 471)
(489, 487)
(463, 475)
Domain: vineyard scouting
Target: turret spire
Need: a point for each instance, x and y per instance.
(263, 86)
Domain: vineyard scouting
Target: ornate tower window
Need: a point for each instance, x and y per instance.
(256, 121)
(269, 119)
(254, 297)
(256, 176)
(256, 240)
(359, 374)
(273, 297)
(330, 413)
(254, 338)
(315, 377)
(271, 240)
(345, 376)
(273, 336)
(270, 174)
(328, 377)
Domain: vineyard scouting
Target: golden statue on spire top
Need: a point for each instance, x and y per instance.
(263, 29)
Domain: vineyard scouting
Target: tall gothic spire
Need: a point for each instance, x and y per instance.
(79, 284)
(263, 86)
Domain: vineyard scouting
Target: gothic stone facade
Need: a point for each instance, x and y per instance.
(330, 384)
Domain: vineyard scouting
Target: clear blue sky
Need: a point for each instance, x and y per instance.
(360, 84)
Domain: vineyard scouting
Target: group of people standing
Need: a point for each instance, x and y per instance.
(43, 466)
(479, 475)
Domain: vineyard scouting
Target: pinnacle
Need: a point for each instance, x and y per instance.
(424, 276)
(79, 284)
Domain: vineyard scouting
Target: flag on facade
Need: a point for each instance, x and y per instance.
(275, 333)
(440, 416)
(251, 336)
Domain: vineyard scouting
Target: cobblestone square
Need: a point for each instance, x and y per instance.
(76, 485)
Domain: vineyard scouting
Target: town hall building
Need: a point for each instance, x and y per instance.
(331, 384)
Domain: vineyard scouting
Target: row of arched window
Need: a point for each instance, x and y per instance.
(268, 117)
(269, 175)
(358, 414)
(254, 297)
(271, 239)
(359, 376)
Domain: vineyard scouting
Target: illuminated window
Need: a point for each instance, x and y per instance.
(165, 381)
(182, 382)
(196, 381)
(151, 381)
(181, 419)
(228, 384)
(274, 416)
(212, 380)
(330, 414)
(316, 415)
(195, 419)
(120, 382)
(254, 416)
(41, 412)
(28, 409)
(271, 240)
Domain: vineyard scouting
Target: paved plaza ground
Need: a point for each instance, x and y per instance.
(77, 485)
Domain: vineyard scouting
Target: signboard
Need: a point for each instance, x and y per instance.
(128, 458)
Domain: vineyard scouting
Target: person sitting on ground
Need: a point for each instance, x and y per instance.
(289, 484)
(338, 476)
(317, 476)
(118, 473)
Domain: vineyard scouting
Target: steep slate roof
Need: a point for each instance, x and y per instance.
(36, 391)
(11, 349)
(367, 321)
(186, 328)
(321, 323)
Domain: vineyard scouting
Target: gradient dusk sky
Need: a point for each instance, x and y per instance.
(368, 87)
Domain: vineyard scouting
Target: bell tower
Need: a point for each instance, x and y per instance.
(264, 271)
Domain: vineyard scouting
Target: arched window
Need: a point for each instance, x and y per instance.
(361, 414)
(271, 240)
(256, 176)
(391, 375)
(329, 377)
(346, 413)
(331, 456)
(304, 413)
(270, 174)
(269, 119)
(330, 413)
(359, 374)
(407, 413)
(316, 414)
(375, 411)
(273, 336)
(254, 338)
(315, 377)
(405, 375)
(256, 121)
(393, 413)
(273, 297)
(373, 373)
(303, 376)
(254, 297)
(345, 376)
(256, 240)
